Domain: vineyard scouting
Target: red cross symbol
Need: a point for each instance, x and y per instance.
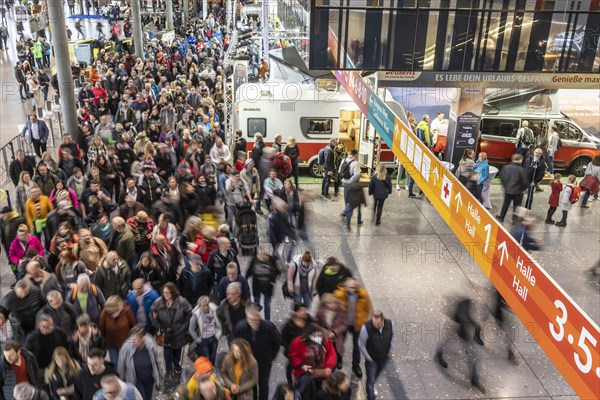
(446, 191)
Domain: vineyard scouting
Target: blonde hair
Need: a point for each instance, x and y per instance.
(572, 179)
(291, 140)
(381, 171)
(114, 303)
(72, 365)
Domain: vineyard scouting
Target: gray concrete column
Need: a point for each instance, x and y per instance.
(186, 11)
(138, 39)
(169, 10)
(63, 67)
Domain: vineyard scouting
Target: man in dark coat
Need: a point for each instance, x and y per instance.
(240, 144)
(264, 339)
(14, 356)
(23, 303)
(87, 380)
(332, 274)
(20, 164)
(515, 181)
(44, 340)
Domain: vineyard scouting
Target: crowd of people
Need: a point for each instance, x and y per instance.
(125, 251)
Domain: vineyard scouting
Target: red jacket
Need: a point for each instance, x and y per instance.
(555, 195)
(297, 356)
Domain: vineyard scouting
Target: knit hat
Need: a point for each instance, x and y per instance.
(203, 366)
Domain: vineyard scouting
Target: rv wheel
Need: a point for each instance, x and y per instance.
(316, 170)
(577, 167)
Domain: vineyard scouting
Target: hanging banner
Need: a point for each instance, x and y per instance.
(546, 80)
(563, 330)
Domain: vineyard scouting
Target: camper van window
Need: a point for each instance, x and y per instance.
(568, 131)
(257, 125)
(499, 127)
(316, 126)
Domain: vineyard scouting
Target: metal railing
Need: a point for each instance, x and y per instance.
(8, 152)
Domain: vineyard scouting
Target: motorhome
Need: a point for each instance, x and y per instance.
(504, 114)
(312, 114)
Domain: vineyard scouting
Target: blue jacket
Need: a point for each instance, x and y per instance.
(148, 300)
(483, 169)
(380, 189)
(42, 131)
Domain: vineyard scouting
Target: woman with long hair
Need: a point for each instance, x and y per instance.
(62, 192)
(466, 166)
(240, 370)
(170, 315)
(68, 269)
(23, 188)
(60, 375)
(380, 188)
(147, 269)
(96, 148)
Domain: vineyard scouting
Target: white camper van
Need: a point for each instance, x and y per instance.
(312, 115)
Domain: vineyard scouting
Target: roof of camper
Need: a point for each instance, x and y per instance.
(253, 92)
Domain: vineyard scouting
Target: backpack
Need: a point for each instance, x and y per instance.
(527, 137)
(575, 193)
(345, 171)
(559, 144)
(321, 157)
(74, 291)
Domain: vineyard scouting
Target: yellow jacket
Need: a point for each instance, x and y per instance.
(31, 213)
(362, 309)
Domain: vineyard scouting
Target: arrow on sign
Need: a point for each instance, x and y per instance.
(502, 246)
(458, 199)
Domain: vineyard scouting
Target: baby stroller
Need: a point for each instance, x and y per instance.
(247, 231)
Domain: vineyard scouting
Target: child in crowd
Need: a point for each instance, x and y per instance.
(553, 201)
(565, 200)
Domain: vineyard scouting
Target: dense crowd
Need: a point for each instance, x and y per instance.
(137, 246)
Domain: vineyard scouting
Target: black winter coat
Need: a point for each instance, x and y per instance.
(174, 321)
(356, 195)
(380, 189)
(25, 309)
(264, 343)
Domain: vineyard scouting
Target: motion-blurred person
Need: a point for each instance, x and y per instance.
(264, 272)
(468, 332)
(264, 339)
(239, 370)
(141, 362)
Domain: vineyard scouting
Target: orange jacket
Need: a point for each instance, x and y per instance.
(362, 309)
(31, 213)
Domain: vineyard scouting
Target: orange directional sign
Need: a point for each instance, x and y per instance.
(567, 335)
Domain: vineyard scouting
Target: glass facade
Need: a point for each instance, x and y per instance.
(456, 35)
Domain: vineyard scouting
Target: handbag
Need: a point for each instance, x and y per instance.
(284, 287)
(159, 338)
